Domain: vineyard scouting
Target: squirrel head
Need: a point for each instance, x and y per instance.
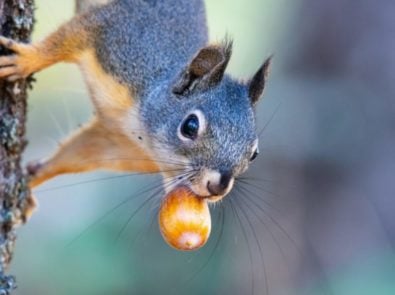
(204, 128)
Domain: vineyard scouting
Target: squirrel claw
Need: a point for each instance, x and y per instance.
(9, 43)
(7, 60)
(8, 68)
(8, 71)
(20, 64)
(30, 206)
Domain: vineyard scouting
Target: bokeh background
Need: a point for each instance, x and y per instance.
(315, 212)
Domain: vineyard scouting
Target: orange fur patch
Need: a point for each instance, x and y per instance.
(112, 100)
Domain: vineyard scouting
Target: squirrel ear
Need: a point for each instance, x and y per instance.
(257, 83)
(206, 69)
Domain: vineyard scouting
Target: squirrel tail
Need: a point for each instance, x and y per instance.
(82, 6)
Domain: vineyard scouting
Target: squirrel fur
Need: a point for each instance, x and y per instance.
(163, 101)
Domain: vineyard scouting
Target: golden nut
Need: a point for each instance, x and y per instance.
(184, 220)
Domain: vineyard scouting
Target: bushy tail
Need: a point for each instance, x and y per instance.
(82, 6)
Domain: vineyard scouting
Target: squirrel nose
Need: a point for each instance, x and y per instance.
(219, 187)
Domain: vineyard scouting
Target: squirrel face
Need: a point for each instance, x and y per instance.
(217, 137)
(204, 128)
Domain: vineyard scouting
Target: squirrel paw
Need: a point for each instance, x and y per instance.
(29, 208)
(38, 172)
(33, 168)
(19, 65)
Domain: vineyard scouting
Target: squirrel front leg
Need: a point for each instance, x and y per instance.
(93, 147)
(66, 44)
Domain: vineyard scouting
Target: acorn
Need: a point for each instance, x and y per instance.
(184, 219)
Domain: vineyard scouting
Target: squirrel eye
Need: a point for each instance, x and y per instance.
(190, 127)
(254, 155)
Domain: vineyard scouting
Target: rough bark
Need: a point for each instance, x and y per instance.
(16, 19)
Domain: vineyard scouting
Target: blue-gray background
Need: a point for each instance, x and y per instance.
(319, 199)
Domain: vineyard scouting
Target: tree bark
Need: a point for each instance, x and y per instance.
(16, 19)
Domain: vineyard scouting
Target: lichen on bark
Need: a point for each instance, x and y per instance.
(16, 21)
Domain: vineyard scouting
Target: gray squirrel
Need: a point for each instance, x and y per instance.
(163, 101)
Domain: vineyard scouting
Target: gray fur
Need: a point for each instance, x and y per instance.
(229, 137)
(147, 45)
(142, 42)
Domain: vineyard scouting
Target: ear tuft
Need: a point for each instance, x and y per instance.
(257, 83)
(206, 69)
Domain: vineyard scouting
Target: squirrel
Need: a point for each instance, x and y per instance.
(163, 101)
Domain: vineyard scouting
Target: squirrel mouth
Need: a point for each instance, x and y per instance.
(208, 196)
(212, 198)
(202, 192)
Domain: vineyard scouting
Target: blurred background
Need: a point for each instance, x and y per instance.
(314, 214)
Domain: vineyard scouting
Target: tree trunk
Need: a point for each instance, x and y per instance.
(16, 18)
